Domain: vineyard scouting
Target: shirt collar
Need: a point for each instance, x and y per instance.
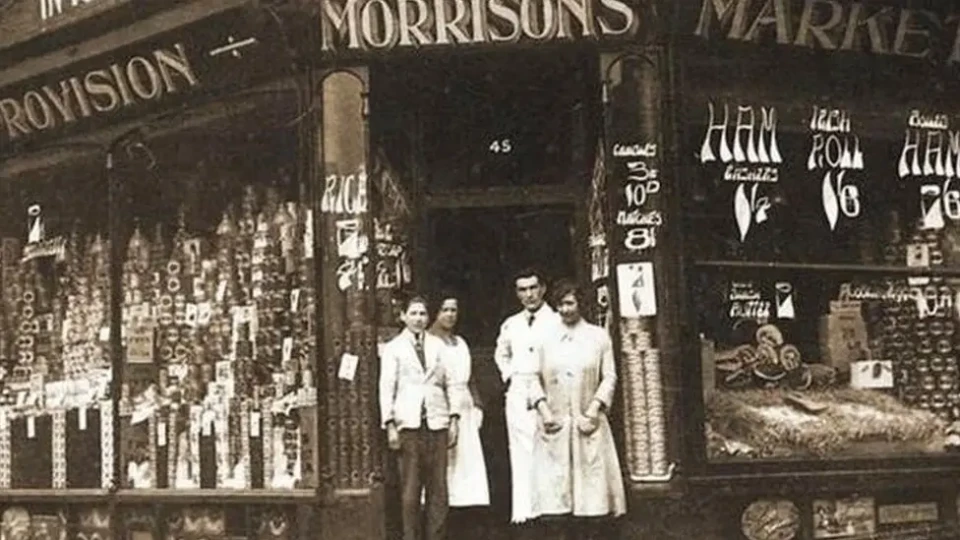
(411, 336)
(542, 310)
(570, 331)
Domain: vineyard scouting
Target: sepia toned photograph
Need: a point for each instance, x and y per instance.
(479, 269)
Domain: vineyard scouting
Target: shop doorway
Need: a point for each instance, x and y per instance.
(499, 150)
(474, 251)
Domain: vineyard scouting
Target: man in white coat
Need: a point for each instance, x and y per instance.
(518, 359)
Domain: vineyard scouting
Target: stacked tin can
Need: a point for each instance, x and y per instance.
(234, 326)
(644, 412)
(921, 345)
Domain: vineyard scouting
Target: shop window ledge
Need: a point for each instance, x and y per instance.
(793, 482)
(839, 268)
(226, 496)
(674, 489)
(58, 495)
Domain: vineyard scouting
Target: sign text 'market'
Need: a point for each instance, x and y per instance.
(834, 25)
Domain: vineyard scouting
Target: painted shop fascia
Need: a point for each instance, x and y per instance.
(140, 78)
(831, 25)
(25, 20)
(203, 59)
(384, 25)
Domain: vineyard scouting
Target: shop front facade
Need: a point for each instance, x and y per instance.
(211, 211)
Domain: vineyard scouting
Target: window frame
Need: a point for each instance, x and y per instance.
(689, 103)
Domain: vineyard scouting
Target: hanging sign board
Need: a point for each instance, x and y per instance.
(834, 25)
(228, 50)
(371, 25)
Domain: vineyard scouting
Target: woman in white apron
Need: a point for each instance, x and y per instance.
(466, 468)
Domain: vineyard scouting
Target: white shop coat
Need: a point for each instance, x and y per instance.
(518, 359)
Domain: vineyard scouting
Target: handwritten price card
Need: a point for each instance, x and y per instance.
(743, 140)
(931, 156)
(836, 155)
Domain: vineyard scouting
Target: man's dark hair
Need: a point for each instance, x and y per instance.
(529, 271)
(414, 298)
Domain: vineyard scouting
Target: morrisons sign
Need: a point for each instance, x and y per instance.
(388, 24)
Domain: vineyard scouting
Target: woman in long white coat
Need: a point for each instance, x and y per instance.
(466, 468)
(576, 468)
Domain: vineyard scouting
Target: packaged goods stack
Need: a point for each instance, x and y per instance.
(231, 313)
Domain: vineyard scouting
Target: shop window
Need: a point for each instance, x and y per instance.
(824, 278)
(56, 415)
(219, 312)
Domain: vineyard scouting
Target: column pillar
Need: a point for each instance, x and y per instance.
(351, 447)
(641, 241)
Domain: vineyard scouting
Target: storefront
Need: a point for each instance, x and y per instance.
(209, 212)
(159, 303)
(492, 136)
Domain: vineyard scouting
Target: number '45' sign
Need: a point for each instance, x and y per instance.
(501, 146)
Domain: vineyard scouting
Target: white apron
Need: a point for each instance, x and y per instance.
(518, 359)
(466, 468)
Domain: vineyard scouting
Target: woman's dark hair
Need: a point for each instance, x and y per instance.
(566, 287)
(443, 295)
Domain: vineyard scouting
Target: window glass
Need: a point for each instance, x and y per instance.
(219, 314)
(494, 119)
(55, 421)
(801, 365)
(820, 338)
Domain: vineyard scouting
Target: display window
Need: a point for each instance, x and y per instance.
(56, 371)
(822, 238)
(218, 309)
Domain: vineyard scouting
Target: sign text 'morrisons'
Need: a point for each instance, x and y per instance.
(141, 78)
(385, 24)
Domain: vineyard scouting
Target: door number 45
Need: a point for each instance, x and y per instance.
(501, 146)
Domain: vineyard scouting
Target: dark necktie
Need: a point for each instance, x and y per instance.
(418, 346)
(530, 317)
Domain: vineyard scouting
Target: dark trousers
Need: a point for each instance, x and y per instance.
(423, 465)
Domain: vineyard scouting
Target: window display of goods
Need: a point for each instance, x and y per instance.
(219, 333)
(55, 367)
(861, 368)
